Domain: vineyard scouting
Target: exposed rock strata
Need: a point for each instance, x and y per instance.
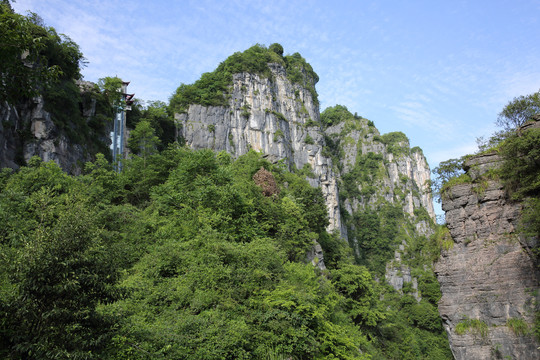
(272, 116)
(411, 165)
(398, 274)
(487, 275)
(282, 120)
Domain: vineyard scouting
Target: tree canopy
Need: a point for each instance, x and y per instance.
(33, 55)
(518, 111)
(184, 256)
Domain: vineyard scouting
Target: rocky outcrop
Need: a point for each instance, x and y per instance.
(10, 128)
(377, 171)
(488, 281)
(315, 256)
(27, 130)
(404, 173)
(281, 120)
(273, 116)
(398, 274)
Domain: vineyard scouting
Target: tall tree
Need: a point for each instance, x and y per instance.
(518, 111)
(143, 140)
(21, 61)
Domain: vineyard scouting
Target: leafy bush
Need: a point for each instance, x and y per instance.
(421, 214)
(446, 171)
(518, 326)
(280, 116)
(474, 326)
(277, 48)
(520, 171)
(33, 55)
(278, 135)
(518, 111)
(335, 115)
(396, 143)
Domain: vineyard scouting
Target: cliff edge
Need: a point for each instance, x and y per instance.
(489, 281)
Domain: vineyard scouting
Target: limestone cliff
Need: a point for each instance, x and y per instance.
(385, 195)
(398, 174)
(357, 169)
(271, 115)
(489, 282)
(27, 129)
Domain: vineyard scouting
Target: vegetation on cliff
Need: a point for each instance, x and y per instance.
(377, 227)
(213, 87)
(37, 61)
(518, 145)
(182, 255)
(518, 148)
(34, 56)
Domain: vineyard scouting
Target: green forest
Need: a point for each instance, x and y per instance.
(183, 256)
(187, 254)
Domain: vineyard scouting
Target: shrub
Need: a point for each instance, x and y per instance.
(278, 135)
(280, 116)
(518, 326)
(245, 111)
(335, 115)
(397, 143)
(277, 48)
(474, 326)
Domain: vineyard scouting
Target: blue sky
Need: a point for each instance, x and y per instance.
(440, 71)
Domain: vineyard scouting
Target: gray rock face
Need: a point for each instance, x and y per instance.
(315, 256)
(487, 276)
(398, 274)
(406, 174)
(274, 117)
(27, 130)
(9, 128)
(281, 120)
(398, 175)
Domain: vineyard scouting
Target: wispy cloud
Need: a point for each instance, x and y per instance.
(452, 152)
(438, 72)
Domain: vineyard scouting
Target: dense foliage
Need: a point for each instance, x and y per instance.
(33, 56)
(213, 88)
(182, 256)
(157, 114)
(378, 227)
(37, 61)
(334, 115)
(396, 143)
(520, 173)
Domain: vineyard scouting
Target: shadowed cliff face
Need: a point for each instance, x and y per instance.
(28, 129)
(488, 281)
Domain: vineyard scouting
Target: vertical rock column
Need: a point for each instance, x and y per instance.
(489, 283)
